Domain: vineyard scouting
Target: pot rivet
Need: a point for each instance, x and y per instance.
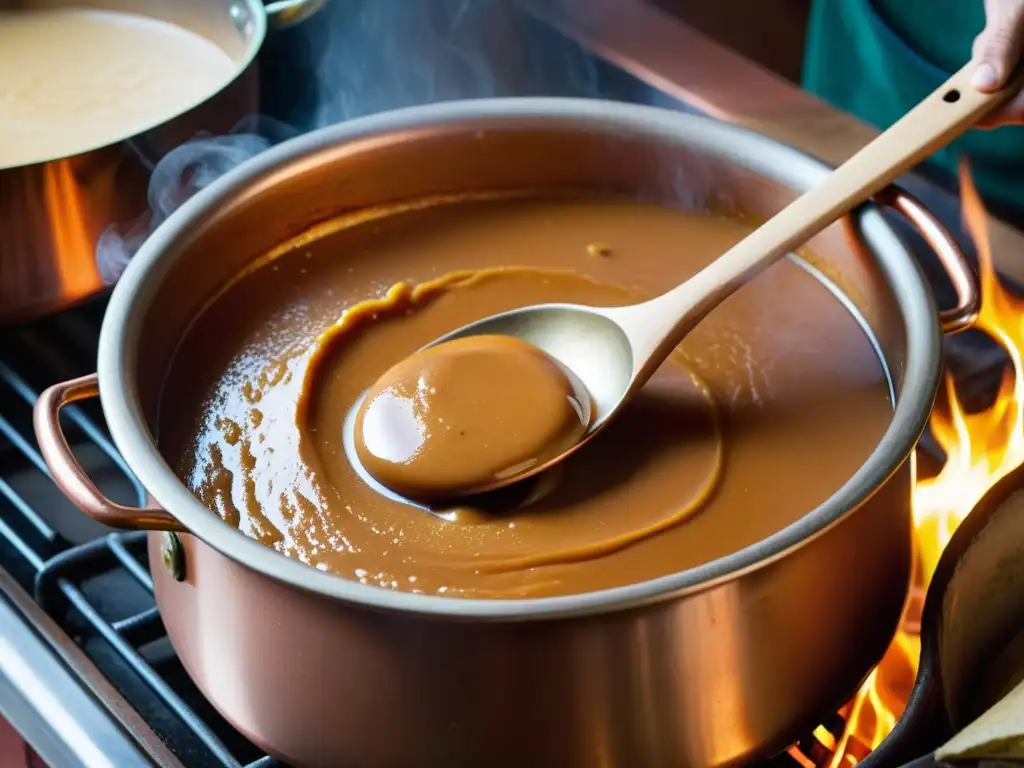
(173, 555)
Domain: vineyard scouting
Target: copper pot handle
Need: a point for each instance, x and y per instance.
(958, 268)
(68, 474)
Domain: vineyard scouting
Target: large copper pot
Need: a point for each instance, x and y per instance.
(711, 666)
(53, 213)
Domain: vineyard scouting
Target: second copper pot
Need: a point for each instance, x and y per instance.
(53, 213)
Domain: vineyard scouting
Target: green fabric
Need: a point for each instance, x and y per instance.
(940, 31)
(878, 58)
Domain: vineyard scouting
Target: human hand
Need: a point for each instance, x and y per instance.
(997, 51)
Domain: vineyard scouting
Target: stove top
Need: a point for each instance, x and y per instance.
(94, 584)
(87, 674)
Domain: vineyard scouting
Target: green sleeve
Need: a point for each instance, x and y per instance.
(877, 58)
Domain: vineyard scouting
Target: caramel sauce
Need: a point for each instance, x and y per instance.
(454, 417)
(763, 412)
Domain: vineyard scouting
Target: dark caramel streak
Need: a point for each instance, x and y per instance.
(399, 299)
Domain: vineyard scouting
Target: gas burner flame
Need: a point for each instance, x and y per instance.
(981, 448)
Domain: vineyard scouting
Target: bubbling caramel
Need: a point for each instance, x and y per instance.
(454, 417)
(763, 412)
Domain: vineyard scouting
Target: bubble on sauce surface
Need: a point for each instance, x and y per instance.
(463, 414)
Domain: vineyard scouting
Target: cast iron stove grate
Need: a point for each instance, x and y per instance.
(95, 583)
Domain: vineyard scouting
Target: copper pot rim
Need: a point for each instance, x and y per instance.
(120, 338)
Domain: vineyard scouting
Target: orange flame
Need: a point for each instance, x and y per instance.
(69, 221)
(981, 448)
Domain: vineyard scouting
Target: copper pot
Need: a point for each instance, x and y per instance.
(53, 213)
(711, 666)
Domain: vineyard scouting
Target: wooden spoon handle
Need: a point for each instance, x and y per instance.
(938, 119)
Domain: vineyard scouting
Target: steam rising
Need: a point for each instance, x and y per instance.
(367, 56)
(180, 174)
(385, 54)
